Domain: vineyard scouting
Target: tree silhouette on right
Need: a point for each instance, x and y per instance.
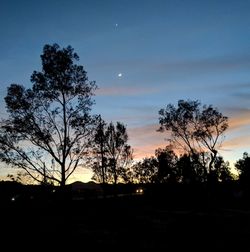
(243, 167)
(198, 130)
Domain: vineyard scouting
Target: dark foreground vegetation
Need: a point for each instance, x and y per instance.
(159, 218)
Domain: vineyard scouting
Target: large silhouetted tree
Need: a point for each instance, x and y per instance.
(194, 128)
(112, 152)
(49, 125)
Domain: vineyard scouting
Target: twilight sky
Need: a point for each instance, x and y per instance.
(143, 55)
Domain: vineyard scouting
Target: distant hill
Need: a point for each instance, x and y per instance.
(78, 185)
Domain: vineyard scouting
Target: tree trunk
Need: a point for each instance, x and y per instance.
(213, 157)
(63, 177)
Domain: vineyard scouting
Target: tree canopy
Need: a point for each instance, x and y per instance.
(194, 128)
(243, 167)
(49, 125)
(112, 152)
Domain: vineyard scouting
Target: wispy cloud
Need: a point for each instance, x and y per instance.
(242, 95)
(239, 91)
(147, 132)
(234, 87)
(239, 117)
(237, 135)
(208, 64)
(227, 62)
(242, 141)
(125, 90)
(146, 139)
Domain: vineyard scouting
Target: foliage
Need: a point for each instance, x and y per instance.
(145, 171)
(195, 128)
(49, 125)
(222, 169)
(167, 169)
(159, 169)
(112, 153)
(243, 167)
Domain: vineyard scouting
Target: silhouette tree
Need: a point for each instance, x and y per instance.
(188, 168)
(99, 166)
(243, 167)
(158, 169)
(222, 170)
(49, 125)
(167, 169)
(113, 154)
(196, 129)
(145, 171)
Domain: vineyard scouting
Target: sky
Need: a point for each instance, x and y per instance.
(143, 55)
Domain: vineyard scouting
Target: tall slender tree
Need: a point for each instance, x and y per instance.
(119, 153)
(112, 151)
(99, 166)
(49, 125)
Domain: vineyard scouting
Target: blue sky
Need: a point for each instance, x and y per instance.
(165, 50)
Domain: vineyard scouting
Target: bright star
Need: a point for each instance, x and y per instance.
(119, 75)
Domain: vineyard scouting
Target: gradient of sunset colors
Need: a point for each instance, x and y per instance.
(143, 55)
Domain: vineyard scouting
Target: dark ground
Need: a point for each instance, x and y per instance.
(128, 223)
